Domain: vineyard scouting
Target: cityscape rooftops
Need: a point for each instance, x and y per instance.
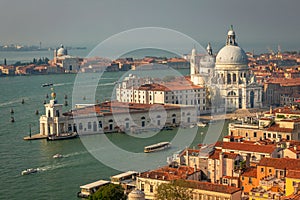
(240, 146)
(213, 187)
(107, 108)
(169, 173)
(293, 174)
(250, 172)
(280, 163)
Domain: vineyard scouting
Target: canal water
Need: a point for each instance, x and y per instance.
(56, 178)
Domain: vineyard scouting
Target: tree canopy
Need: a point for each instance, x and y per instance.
(109, 192)
(175, 190)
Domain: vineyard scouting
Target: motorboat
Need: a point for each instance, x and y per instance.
(47, 84)
(201, 124)
(157, 147)
(57, 156)
(29, 171)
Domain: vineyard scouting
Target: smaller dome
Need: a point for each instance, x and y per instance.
(62, 51)
(207, 61)
(136, 195)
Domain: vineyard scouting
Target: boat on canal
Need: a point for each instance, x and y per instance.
(157, 147)
(29, 171)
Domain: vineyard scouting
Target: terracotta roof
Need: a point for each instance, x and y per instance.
(175, 85)
(291, 197)
(250, 172)
(280, 163)
(107, 108)
(240, 146)
(213, 187)
(295, 149)
(293, 174)
(284, 81)
(169, 173)
(215, 155)
(277, 128)
(230, 155)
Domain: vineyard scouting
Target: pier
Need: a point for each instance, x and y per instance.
(35, 137)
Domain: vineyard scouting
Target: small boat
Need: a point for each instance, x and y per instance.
(12, 111)
(201, 124)
(57, 156)
(192, 125)
(64, 136)
(47, 84)
(29, 171)
(12, 119)
(157, 147)
(22, 101)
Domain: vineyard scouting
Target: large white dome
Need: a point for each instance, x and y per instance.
(231, 54)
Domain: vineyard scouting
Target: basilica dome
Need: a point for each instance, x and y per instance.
(231, 54)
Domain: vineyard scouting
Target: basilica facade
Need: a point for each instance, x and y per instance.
(230, 84)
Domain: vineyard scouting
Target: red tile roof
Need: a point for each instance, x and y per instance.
(280, 163)
(240, 146)
(230, 155)
(107, 108)
(215, 155)
(213, 187)
(277, 128)
(169, 173)
(293, 174)
(250, 172)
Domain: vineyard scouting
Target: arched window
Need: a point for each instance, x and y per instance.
(100, 124)
(127, 123)
(188, 117)
(234, 78)
(143, 121)
(231, 93)
(174, 118)
(110, 124)
(158, 120)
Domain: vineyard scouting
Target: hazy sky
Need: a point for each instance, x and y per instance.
(258, 23)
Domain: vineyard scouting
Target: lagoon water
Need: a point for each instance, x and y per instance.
(56, 178)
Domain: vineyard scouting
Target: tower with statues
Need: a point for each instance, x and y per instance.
(52, 122)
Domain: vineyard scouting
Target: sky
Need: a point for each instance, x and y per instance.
(259, 24)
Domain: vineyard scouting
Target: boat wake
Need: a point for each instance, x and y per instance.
(62, 84)
(51, 167)
(13, 102)
(74, 154)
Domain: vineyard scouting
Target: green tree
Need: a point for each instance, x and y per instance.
(109, 192)
(175, 190)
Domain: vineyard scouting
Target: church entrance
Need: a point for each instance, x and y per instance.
(252, 99)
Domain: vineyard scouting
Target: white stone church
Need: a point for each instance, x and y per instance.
(227, 77)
